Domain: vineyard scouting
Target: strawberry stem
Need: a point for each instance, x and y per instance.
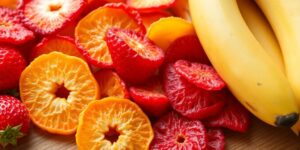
(10, 135)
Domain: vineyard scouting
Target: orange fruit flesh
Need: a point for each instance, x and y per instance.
(111, 84)
(59, 44)
(90, 31)
(40, 81)
(105, 117)
(10, 3)
(166, 30)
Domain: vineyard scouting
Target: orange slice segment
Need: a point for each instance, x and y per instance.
(90, 31)
(111, 84)
(113, 124)
(13, 4)
(166, 30)
(56, 88)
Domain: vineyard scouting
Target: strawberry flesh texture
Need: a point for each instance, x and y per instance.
(186, 48)
(47, 17)
(150, 97)
(201, 75)
(189, 100)
(216, 139)
(173, 131)
(64, 44)
(134, 56)
(12, 64)
(234, 116)
(150, 5)
(12, 30)
(12, 113)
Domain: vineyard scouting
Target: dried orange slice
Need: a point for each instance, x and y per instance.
(56, 88)
(62, 44)
(90, 31)
(13, 4)
(111, 84)
(176, 28)
(113, 124)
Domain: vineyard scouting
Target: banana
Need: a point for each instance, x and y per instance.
(250, 73)
(284, 17)
(261, 29)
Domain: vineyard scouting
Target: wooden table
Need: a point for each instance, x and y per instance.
(259, 137)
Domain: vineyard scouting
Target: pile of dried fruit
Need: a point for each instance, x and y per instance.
(86, 61)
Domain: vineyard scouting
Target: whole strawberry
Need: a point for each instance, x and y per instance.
(12, 64)
(14, 120)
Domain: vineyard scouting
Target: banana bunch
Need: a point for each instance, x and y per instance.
(260, 70)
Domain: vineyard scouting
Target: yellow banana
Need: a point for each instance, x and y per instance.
(261, 29)
(242, 62)
(284, 17)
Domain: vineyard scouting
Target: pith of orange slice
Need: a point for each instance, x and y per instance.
(90, 31)
(113, 124)
(56, 88)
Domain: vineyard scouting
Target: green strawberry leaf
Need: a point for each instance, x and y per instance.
(10, 135)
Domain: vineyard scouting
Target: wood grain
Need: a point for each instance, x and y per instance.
(259, 137)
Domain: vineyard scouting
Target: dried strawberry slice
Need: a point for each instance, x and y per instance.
(11, 27)
(216, 139)
(189, 100)
(234, 116)
(62, 44)
(186, 48)
(150, 5)
(49, 16)
(134, 56)
(176, 132)
(91, 30)
(150, 97)
(149, 18)
(201, 75)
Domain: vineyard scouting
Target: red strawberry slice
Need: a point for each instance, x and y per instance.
(189, 100)
(216, 139)
(150, 5)
(12, 64)
(186, 48)
(234, 116)
(11, 27)
(201, 75)
(49, 16)
(58, 43)
(150, 97)
(178, 133)
(134, 56)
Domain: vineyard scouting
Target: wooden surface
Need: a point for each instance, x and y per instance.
(259, 137)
